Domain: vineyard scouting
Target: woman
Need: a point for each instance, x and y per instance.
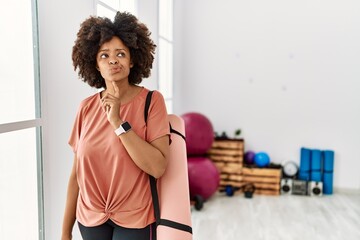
(108, 191)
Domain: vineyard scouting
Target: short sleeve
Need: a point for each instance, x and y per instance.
(157, 122)
(76, 130)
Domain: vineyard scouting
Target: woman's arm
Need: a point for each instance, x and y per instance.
(150, 157)
(70, 207)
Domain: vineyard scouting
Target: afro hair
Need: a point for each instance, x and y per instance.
(96, 31)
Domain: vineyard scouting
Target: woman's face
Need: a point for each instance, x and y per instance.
(113, 60)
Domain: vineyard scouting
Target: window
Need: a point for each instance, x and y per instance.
(21, 198)
(166, 51)
(108, 8)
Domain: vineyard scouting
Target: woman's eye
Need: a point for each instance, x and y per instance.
(121, 54)
(103, 55)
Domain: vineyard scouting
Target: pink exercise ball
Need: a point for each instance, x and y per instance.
(199, 133)
(204, 177)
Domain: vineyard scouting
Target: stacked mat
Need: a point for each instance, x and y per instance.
(317, 166)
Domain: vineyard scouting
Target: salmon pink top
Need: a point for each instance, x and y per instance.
(111, 186)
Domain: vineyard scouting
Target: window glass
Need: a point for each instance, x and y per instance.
(128, 6)
(112, 3)
(105, 12)
(108, 8)
(17, 92)
(165, 69)
(18, 185)
(166, 51)
(169, 106)
(21, 202)
(166, 19)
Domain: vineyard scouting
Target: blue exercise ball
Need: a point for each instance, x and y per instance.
(261, 159)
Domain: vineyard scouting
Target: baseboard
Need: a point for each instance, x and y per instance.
(346, 190)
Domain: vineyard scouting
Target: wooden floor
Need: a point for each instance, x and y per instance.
(330, 217)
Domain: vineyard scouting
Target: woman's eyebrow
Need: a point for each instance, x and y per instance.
(117, 49)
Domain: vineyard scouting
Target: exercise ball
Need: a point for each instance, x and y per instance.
(199, 133)
(261, 159)
(249, 157)
(204, 177)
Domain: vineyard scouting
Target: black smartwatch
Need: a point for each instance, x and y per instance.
(124, 128)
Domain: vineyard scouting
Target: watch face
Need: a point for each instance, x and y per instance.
(126, 126)
(290, 169)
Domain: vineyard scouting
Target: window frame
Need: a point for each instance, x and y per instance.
(36, 122)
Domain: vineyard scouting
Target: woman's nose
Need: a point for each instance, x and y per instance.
(112, 62)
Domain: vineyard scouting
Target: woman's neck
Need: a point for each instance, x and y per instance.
(124, 88)
(126, 91)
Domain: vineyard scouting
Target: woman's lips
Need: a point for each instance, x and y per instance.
(115, 70)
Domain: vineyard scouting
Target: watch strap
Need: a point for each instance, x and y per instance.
(123, 128)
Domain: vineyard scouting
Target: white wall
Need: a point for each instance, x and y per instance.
(285, 72)
(62, 92)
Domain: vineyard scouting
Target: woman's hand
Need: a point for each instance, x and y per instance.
(111, 104)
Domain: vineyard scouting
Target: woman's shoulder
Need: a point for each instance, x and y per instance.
(143, 93)
(155, 95)
(158, 96)
(89, 100)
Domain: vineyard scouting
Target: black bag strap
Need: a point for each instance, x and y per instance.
(154, 193)
(155, 199)
(176, 225)
(176, 132)
(146, 113)
(153, 187)
(147, 105)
